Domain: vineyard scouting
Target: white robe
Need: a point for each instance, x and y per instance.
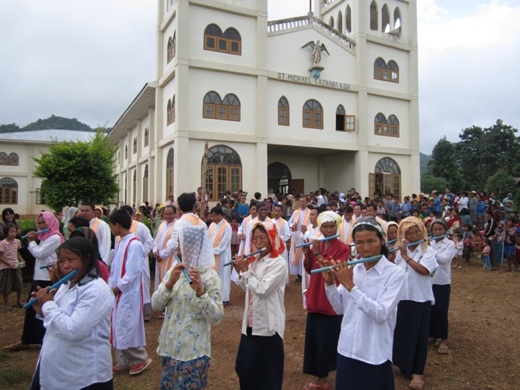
(285, 234)
(143, 234)
(224, 253)
(164, 252)
(127, 316)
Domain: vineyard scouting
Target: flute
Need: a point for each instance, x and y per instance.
(407, 245)
(246, 256)
(38, 232)
(48, 266)
(184, 270)
(319, 239)
(359, 261)
(54, 286)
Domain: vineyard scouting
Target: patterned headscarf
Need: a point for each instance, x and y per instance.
(277, 245)
(195, 244)
(406, 224)
(371, 221)
(329, 216)
(52, 224)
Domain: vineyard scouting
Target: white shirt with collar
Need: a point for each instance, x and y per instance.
(417, 287)
(44, 253)
(265, 279)
(76, 350)
(369, 311)
(445, 251)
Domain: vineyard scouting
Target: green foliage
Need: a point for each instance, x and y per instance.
(27, 225)
(424, 160)
(517, 200)
(58, 122)
(501, 184)
(430, 183)
(483, 152)
(78, 172)
(9, 128)
(149, 225)
(444, 164)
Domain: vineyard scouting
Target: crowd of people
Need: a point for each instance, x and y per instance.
(375, 276)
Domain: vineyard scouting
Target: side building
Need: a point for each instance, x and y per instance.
(19, 188)
(329, 99)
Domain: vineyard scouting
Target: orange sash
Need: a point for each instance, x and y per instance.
(296, 254)
(346, 237)
(95, 224)
(218, 238)
(164, 265)
(245, 222)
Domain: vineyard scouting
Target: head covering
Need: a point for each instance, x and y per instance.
(69, 213)
(328, 216)
(388, 224)
(408, 223)
(370, 221)
(277, 245)
(52, 224)
(440, 221)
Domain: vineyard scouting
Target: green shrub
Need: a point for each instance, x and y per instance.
(27, 225)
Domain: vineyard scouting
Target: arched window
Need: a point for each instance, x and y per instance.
(340, 22)
(224, 171)
(393, 123)
(379, 124)
(385, 19)
(228, 42)
(172, 47)
(169, 173)
(397, 18)
(170, 111)
(215, 108)
(134, 148)
(312, 115)
(344, 122)
(145, 183)
(283, 111)
(386, 178)
(392, 72)
(146, 137)
(8, 191)
(279, 177)
(331, 22)
(379, 68)
(12, 159)
(348, 19)
(126, 152)
(373, 16)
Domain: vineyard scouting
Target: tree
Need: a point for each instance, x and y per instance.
(482, 153)
(501, 184)
(444, 164)
(78, 172)
(58, 122)
(430, 183)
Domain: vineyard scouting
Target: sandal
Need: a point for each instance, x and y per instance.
(120, 370)
(314, 386)
(443, 350)
(416, 385)
(19, 346)
(161, 316)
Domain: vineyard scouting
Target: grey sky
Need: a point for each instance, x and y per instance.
(88, 60)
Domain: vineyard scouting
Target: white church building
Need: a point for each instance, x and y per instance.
(328, 99)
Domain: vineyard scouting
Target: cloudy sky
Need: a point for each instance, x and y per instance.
(89, 59)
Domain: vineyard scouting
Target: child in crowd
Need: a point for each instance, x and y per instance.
(459, 246)
(10, 274)
(486, 250)
(235, 241)
(468, 241)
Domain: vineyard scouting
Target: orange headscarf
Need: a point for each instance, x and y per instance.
(277, 245)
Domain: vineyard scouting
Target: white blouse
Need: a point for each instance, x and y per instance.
(445, 251)
(44, 253)
(417, 287)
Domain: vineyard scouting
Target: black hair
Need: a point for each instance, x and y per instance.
(78, 222)
(121, 217)
(360, 228)
(127, 208)
(186, 202)
(85, 250)
(217, 210)
(8, 226)
(7, 210)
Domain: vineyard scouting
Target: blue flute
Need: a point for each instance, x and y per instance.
(418, 242)
(54, 286)
(319, 239)
(246, 256)
(359, 261)
(48, 266)
(184, 270)
(38, 232)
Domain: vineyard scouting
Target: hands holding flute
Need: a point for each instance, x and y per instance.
(43, 295)
(194, 275)
(338, 270)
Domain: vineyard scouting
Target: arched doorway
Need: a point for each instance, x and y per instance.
(224, 171)
(279, 177)
(386, 178)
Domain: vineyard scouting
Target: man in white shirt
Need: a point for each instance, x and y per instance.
(162, 255)
(283, 231)
(220, 236)
(101, 229)
(298, 222)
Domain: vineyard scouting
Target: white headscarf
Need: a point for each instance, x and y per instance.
(195, 244)
(328, 216)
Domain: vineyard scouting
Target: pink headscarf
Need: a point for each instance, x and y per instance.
(53, 225)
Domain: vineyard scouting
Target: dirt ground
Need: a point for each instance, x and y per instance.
(484, 343)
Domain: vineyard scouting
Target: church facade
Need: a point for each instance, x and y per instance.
(328, 99)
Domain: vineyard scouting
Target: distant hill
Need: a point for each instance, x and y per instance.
(53, 122)
(424, 163)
